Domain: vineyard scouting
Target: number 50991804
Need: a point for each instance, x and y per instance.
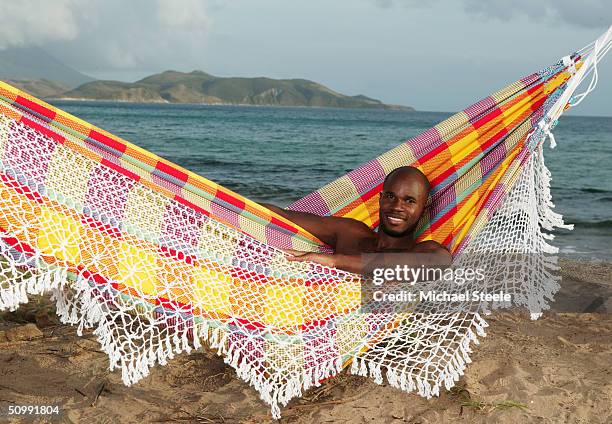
(33, 410)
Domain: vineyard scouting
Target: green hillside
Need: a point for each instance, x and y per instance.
(114, 91)
(200, 87)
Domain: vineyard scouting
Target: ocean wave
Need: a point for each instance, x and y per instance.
(231, 164)
(606, 223)
(567, 191)
(594, 190)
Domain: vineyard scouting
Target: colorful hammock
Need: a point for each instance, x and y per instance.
(158, 259)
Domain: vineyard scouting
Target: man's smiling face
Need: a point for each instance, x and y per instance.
(402, 201)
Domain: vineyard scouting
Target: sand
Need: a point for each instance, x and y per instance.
(557, 369)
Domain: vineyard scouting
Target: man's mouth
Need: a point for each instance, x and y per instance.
(395, 220)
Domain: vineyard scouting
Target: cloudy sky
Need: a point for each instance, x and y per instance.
(440, 56)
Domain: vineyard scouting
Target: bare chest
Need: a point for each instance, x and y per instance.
(362, 242)
(367, 241)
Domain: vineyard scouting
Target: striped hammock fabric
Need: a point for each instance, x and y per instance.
(159, 260)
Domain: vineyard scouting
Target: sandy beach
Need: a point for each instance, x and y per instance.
(556, 369)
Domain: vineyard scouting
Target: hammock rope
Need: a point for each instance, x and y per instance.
(159, 260)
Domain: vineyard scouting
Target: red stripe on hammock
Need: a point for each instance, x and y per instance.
(226, 197)
(278, 222)
(110, 142)
(170, 170)
(186, 202)
(42, 129)
(35, 107)
(120, 169)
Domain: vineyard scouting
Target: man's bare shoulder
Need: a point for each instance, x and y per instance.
(349, 224)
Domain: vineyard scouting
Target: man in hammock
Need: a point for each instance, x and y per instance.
(402, 202)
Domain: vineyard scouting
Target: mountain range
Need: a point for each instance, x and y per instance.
(35, 71)
(33, 63)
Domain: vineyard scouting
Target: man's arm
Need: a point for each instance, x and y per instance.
(322, 227)
(428, 254)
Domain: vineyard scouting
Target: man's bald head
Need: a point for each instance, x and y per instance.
(408, 172)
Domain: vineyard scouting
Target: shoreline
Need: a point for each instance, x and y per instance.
(410, 108)
(165, 102)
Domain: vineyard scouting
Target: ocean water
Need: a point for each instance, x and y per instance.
(278, 155)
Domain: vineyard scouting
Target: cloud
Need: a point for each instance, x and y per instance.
(34, 22)
(98, 35)
(191, 14)
(387, 4)
(584, 13)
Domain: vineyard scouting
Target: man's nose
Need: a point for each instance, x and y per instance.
(396, 204)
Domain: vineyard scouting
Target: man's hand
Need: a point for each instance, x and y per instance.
(349, 263)
(320, 258)
(429, 254)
